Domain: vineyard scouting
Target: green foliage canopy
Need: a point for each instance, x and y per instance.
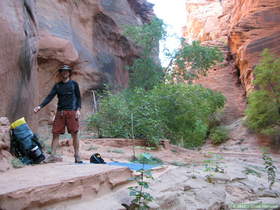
(263, 111)
(178, 112)
(146, 71)
(192, 60)
(186, 63)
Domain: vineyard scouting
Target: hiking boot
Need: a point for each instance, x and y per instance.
(53, 159)
(78, 159)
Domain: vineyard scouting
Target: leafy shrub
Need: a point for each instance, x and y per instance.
(185, 110)
(129, 114)
(178, 112)
(218, 135)
(113, 117)
(263, 111)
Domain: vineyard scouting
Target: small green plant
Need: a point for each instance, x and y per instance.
(252, 171)
(92, 148)
(240, 141)
(147, 158)
(146, 148)
(16, 163)
(213, 164)
(48, 149)
(174, 150)
(177, 163)
(209, 179)
(243, 149)
(119, 151)
(141, 198)
(270, 169)
(193, 165)
(218, 135)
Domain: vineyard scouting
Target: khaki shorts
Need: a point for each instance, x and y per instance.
(65, 119)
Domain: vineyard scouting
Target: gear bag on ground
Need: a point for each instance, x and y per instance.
(24, 144)
(97, 159)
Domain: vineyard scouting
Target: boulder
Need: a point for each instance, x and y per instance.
(5, 156)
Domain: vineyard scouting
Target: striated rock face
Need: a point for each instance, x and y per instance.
(88, 36)
(18, 53)
(5, 156)
(254, 26)
(202, 20)
(36, 39)
(248, 26)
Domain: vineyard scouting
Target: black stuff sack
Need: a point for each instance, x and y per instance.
(97, 159)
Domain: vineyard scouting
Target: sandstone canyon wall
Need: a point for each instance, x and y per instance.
(36, 39)
(246, 26)
(18, 58)
(202, 19)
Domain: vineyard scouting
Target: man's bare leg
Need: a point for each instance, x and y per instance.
(76, 147)
(55, 143)
(54, 157)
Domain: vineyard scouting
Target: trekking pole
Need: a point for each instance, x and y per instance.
(132, 134)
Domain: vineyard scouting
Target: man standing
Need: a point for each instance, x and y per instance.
(68, 111)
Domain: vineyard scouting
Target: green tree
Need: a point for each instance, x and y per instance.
(186, 63)
(192, 60)
(146, 71)
(263, 111)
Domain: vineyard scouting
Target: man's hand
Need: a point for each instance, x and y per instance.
(78, 114)
(37, 109)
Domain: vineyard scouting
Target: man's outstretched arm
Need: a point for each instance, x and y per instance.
(46, 100)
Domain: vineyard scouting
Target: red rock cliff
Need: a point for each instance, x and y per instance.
(18, 53)
(249, 26)
(202, 20)
(254, 26)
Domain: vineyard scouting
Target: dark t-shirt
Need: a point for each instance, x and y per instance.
(69, 97)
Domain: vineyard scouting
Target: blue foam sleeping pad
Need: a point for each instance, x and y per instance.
(133, 166)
